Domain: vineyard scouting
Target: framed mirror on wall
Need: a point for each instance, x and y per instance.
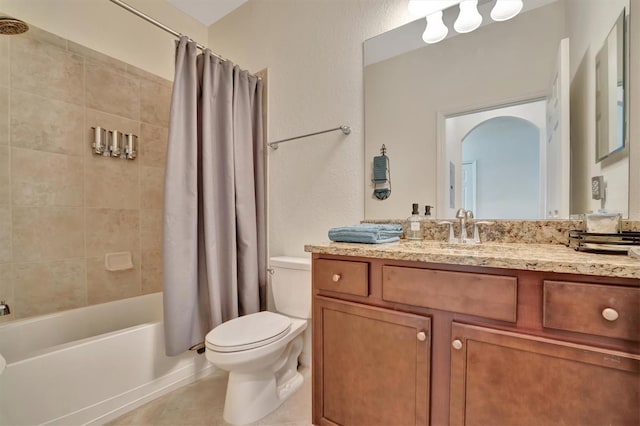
(544, 56)
(612, 92)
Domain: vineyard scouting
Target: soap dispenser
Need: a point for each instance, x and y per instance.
(427, 212)
(414, 228)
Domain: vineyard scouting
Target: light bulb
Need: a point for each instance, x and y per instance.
(469, 19)
(436, 29)
(506, 9)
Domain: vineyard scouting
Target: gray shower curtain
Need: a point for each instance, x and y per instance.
(214, 228)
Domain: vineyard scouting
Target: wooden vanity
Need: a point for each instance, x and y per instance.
(420, 334)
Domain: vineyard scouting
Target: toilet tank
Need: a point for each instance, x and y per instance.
(291, 286)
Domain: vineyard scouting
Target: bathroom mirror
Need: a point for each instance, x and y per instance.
(541, 62)
(611, 90)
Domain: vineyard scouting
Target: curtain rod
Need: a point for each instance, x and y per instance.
(345, 129)
(166, 28)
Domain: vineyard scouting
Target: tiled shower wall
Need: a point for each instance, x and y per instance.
(61, 207)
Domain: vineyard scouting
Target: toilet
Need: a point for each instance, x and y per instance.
(260, 351)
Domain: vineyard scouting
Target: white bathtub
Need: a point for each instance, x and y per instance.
(89, 365)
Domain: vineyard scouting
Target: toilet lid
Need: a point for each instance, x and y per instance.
(248, 332)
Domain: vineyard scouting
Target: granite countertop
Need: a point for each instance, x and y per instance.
(530, 257)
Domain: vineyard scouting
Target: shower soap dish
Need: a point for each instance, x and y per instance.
(120, 261)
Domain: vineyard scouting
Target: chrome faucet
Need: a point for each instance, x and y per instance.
(463, 215)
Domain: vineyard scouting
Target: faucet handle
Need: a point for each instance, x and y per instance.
(451, 236)
(476, 232)
(468, 214)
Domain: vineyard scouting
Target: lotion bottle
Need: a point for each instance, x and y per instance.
(414, 228)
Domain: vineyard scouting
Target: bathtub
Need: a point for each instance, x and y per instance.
(89, 365)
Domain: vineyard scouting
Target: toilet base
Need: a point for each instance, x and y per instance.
(249, 401)
(251, 396)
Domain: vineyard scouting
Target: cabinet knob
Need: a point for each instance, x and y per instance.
(336, 277)
(457, 344)
(610, 314)
(422, 336)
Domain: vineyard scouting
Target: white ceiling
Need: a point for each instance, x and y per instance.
(207, 11)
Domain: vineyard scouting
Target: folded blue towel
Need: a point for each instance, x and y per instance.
(366, 233)
(366, 239)
(380, 169)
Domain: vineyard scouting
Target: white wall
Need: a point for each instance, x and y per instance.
(313, 51)
(109, 29)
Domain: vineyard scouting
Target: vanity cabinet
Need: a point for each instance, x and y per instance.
(505, 378)
(373, 365)
(411, 343)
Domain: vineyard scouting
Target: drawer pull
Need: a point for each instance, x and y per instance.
(336, 277)
(422, 336)
(457, 344)
(610, 314)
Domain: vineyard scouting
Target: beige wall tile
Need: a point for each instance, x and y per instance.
(94, 55)
(47, 233)
(41, 288)
(151, 271)
(6, 289)
(4, 61)
(151, 236)
(41, 68)
(5, 234)
(5, 171)
(4, 115)
(152, 145)
(111, 183)
(155, 102)
(151, 229)
(44, 179)
(46, 124)
(139, 72)
(151, 187)
(110, 230)
(112, 91)
(45, 36)
(105, 286)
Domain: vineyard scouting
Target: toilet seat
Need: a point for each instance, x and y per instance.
(248, 332)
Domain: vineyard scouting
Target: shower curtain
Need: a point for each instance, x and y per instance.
(214, 218)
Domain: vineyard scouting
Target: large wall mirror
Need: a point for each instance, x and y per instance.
(502, 120)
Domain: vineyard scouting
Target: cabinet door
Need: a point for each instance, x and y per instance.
(371, 365)
(503, 378)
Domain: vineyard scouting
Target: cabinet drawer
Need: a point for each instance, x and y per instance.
(489, 296)
(341, 276)
(584, 308)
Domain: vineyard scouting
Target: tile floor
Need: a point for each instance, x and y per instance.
(201, 404)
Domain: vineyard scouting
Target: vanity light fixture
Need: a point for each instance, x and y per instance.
(436, 30)
(468, 19)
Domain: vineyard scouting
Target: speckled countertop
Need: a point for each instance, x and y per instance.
(530, 257)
